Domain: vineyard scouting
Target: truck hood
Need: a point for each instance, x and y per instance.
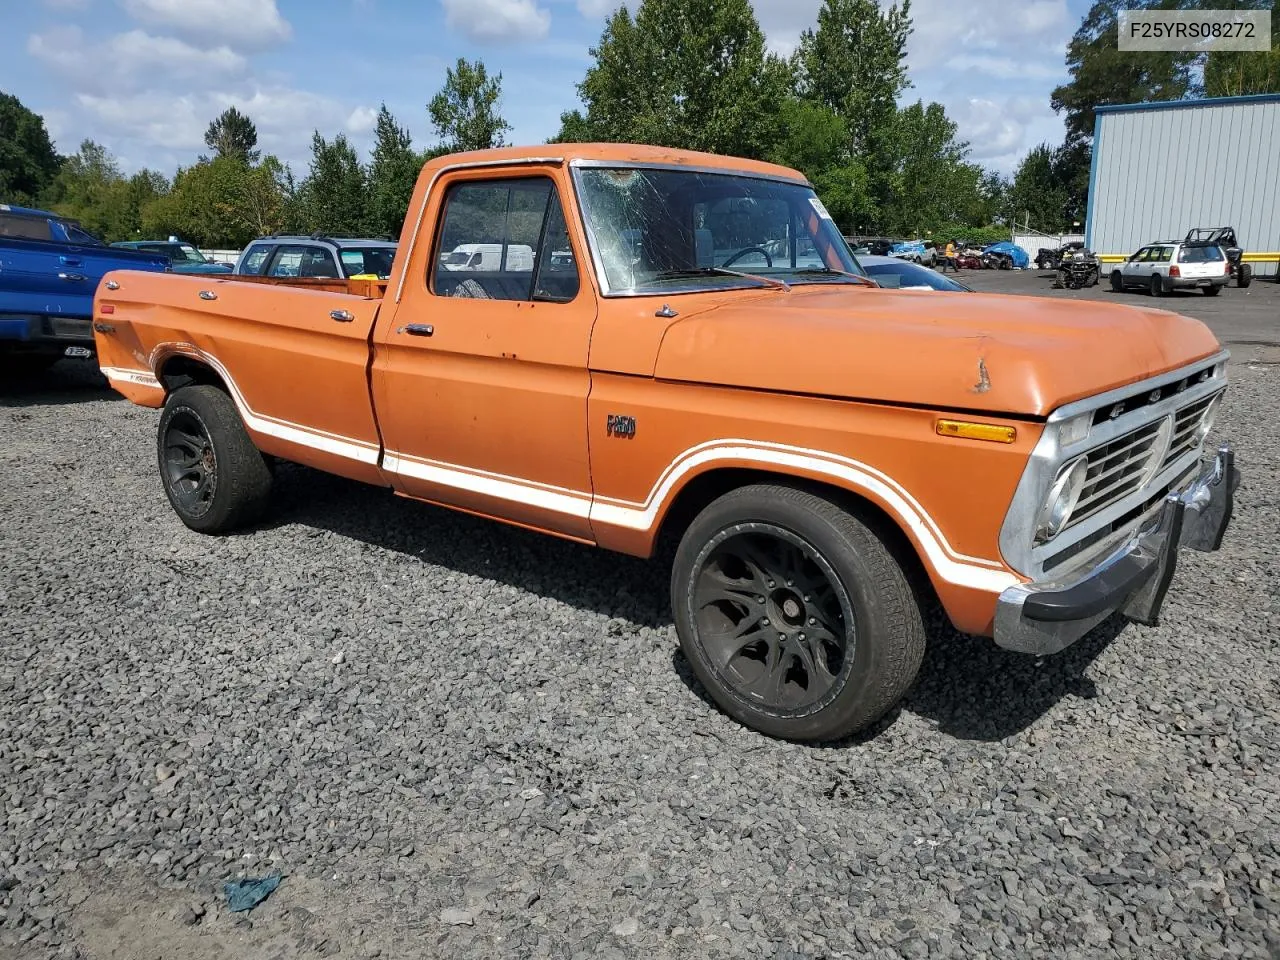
(971, 351)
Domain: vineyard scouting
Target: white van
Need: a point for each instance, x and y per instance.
(488, 257)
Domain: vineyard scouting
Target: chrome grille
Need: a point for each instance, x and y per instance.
(1116, 469)
(1186, 429)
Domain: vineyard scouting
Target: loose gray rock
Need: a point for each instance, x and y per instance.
(513, 735)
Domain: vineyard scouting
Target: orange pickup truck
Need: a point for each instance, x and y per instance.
(613, 343)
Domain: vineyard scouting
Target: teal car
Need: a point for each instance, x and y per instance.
(183, 256)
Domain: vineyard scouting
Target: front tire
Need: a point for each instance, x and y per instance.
(1244, 275)
(1117, 282)
(794, 615)
(214, 477)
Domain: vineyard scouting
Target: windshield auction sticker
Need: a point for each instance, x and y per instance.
(1194, 30)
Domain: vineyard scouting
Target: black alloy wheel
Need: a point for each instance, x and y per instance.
(190, 464)
(773, 619)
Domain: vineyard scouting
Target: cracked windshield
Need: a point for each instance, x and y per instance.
(676, 231)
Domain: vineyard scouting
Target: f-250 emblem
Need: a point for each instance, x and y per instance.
(619, 426)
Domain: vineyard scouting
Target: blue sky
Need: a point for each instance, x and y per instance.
(145, 77)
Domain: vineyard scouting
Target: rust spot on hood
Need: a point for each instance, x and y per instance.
(984, 381)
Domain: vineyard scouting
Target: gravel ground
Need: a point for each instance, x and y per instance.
(457, 739)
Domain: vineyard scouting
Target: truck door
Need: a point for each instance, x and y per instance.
(480, 374)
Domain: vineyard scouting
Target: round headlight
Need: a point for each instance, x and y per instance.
(1209, 417)
(1062, 498)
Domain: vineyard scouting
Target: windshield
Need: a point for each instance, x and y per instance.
(365, 261)
(676, 231)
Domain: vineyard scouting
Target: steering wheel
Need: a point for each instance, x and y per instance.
(745, 250)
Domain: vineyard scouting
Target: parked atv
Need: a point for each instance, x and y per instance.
(1224, 237)
(1051, 258)
(1078, 268)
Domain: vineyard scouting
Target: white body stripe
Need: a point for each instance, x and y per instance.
(951, 565)
(142, 378)
(557, 500)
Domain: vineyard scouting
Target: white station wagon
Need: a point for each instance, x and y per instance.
(1173, 265)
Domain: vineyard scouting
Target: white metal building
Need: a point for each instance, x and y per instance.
(1160, 169)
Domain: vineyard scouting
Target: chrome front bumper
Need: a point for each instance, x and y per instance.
(1046, 617)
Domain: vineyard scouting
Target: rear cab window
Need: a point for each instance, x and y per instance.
(504, 240)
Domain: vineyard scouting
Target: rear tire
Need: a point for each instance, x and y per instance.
(1212, 290)
(1117, 281)
(794, 614)
(214, 477)
(1157, 286)
(1244, 275)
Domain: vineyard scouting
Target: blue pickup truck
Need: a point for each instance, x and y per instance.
(49, 269)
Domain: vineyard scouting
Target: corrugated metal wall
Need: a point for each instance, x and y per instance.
(1160, 172)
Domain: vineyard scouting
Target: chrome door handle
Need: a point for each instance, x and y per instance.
(75, 277)
(419, 329)
(208, 295)
(342, 316)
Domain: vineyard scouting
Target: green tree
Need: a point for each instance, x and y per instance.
(1037, 195)
(221, 202)
(332, 198)
(466, 110)
(233, 134)
(28, 162)
(90, 188)
(682, 73)
(854, 63)
(393, 172)
(927, 178)
(1230, 73)
(1102, 74)
(814, 140)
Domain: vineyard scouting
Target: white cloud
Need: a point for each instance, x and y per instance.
(1005, 68)
(784, 20)
(497, 21)
(594, 9)
(60, 47)
(362, 120)
(943, 29)
(138, 50)
(1000, 130)
(174, 123)
(127, 56)
(240, 24)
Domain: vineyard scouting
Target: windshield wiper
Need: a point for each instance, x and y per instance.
(718, 272)
(827, 271)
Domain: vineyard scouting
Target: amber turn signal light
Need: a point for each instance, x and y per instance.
(992, 432)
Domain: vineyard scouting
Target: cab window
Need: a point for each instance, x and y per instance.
(504, 240)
